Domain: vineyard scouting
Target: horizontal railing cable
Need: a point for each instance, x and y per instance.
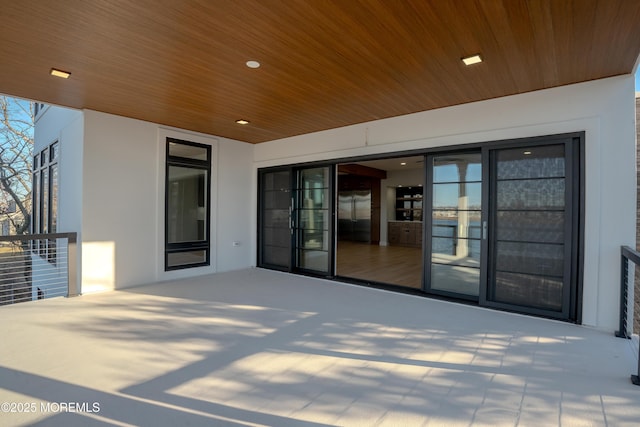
(37, 266)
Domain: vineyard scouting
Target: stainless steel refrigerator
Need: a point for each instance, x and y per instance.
(354, 215)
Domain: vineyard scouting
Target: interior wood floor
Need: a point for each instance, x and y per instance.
(396, 265)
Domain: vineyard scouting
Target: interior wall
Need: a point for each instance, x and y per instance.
(603, 109)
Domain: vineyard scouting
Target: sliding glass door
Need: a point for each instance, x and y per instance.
(498, 223)
(275, 231)
(503, 226)
(295, 228)
(454, 225)
(312, 220)
(531, 238)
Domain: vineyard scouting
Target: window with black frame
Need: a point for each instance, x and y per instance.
(187, 204)
(45, 200)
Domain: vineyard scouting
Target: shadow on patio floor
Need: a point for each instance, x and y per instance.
(256, 347)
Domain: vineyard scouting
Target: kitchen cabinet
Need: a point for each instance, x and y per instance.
(405, 233)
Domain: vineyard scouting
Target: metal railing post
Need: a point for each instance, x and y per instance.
(72, 270)
(624, 296)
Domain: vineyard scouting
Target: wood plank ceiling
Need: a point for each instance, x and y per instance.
(325, 63)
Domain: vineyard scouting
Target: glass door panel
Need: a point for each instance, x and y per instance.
(275, 228)
(312, 225)
(530, 250)
(455, 224)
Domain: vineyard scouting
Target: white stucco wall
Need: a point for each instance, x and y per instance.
(123, 202)
(65, 126)
(603, 109)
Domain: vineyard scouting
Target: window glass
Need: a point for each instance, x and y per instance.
(53, 152)
(177, 259)
(186, 201)
(53, 197)
(187, 206)
(44, 180)
(45, 200)
(187, 151)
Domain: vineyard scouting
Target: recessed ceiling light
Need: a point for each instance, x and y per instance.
(253, 64)
(470, 60)
(242, 122)
(60, 73)
(526, 153)
(403, 164)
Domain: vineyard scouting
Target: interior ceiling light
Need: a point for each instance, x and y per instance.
(242, 122)
(526, 153)
(253, 64)
(470, 60)
(403, 164)
(60, 73)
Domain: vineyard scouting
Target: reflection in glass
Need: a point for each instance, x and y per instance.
(276, 181)
(53, 173)
(456, 251)
(457, 168)
(314, 178)
(529, 253)
(529, 290)
(532, 226)
(44, 179)
(274, 199)
(531, 258)
(456, 279)
(186, 201)
(275, 223)
(175, 259)
(531, 194)
(315, 239)
(532, 162)
(450, 196)
(187, 151)
(313, 260)
(313, 219)
(455, 224)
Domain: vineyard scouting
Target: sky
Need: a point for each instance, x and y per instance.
(638, 80)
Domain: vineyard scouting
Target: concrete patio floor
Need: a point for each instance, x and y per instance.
(255, 348)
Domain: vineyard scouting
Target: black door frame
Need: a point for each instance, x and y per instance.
(294, 203)
(577, 154)
(573, 227)
(261, 220)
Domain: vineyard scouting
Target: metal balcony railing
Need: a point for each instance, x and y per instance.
(37, 266)
(627, 254)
